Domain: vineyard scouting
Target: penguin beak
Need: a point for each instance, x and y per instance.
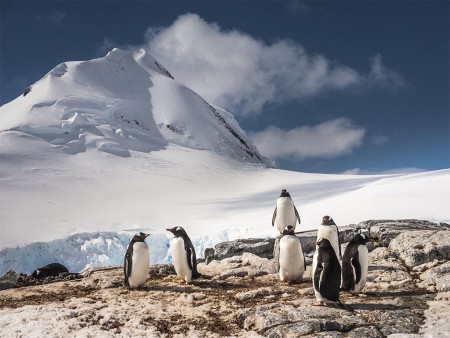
(146, 235)
(170, 230)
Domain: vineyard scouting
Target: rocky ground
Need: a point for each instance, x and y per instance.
(407, 295)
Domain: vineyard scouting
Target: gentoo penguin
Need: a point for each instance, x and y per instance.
(137, 262)
(50, 270)
(326, 274)
(183, 255)
(355, 264)
(292, 261)
(329, 230)
(285, 212)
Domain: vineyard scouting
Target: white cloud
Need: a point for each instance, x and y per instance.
(234, 70)
(379, 139)
(381, 76)
(396, 171)
(325, 140)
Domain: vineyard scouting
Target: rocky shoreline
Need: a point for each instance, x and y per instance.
(239, 295)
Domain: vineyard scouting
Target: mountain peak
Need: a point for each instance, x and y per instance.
(123, 102)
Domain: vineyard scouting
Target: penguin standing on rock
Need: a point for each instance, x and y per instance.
(355, 264)
(285, 212)
(183, 255)
(326, 274)
(329, 230)
(137, 262)
(291, 258)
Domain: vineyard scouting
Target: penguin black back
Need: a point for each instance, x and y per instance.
(50, 270)
(351, 262)
(189, 247)
(327, 277)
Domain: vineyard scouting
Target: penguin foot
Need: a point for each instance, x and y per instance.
(317, 303)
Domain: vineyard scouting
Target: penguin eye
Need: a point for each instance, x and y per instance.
(178, 229)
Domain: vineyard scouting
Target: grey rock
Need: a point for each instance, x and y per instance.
(264, 319)
(422, 246)
(326, 334)
(11, 279)
(238, 272)
(386, 230)
(293, 330)
(209, 255)
(262, 247)
(437, 278)
(367, 331)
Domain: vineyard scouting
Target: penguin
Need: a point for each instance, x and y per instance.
(329, 230)
(285, 212)
(50, 270)
(136, 262)
(291, 258)
(326, 274)
(355, 264)
(183, 255)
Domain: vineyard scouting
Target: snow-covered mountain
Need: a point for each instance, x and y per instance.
(125, 101)
(100, 149)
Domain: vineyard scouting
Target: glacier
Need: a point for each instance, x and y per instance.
(84, 250)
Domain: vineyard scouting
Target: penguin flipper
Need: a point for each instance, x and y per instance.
(127, 268)
(343, 306)
(339, 242)
(274, 216)
(317, 274)
(297, 215)
(357, 267)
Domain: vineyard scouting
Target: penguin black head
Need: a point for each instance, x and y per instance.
(362, 239)
(323, 243)
(36, 273)
(327, 220)
(140, 237)
(178, 231)
(289, 230)
(284, 193)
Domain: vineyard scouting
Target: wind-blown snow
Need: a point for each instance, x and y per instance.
(101, 149)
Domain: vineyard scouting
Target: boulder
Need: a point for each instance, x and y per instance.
(262, 247)
(436, 278)
(386, 230)
(422, 246)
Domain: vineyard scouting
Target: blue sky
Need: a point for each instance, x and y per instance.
(324, 86)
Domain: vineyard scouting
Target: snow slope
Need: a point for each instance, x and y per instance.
(100, 149)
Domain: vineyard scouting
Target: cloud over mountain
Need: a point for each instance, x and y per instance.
(239, 72)
(325, 140)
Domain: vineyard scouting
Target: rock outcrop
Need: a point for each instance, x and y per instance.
(406, 295)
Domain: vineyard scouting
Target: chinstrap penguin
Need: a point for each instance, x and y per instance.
(50, 270)
(329, 230)
(137, 262)
(183, 255)
(285, 212)
(291, 258)
(355, 264)
(326, 275)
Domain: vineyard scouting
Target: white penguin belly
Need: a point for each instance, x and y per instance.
(291, 259)
(140, 265)
(285, 213)
(314, 267)
(364, 263)
(179, 259)
(330, 233)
